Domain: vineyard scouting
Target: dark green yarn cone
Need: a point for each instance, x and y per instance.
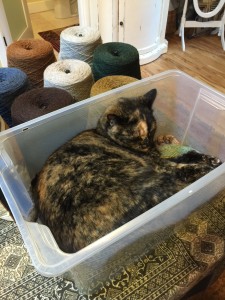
(116, 58)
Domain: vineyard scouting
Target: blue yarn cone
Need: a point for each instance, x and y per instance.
(13, 82)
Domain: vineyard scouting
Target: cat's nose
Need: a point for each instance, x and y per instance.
(142, 129)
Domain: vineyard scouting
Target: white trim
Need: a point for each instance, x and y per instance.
(84, 12)
(38, 6)
(4, 26)
(94, 15)
(3, 58)
(191, 24)
(6, 34)
(155, 53)
(28, 32)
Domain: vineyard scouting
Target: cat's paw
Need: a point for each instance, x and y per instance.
(212, 161)
(166, 139)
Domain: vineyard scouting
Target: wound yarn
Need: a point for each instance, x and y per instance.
(32, 56)
(74, 76)
(116, 58)
(13, 82)
(79, 42)
(108, 83)
(38, 102)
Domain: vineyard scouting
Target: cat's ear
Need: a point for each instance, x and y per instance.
(112, 119)
(149, 97)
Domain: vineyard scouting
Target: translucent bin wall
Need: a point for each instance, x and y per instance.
(191, 111)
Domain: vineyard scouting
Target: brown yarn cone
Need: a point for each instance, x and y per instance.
(108, 83)
(31, 56)
(38, 102)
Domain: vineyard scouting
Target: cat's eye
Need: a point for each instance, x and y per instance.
(112, 119)
(112, 122)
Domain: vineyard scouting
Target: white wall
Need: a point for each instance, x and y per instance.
(35, 6)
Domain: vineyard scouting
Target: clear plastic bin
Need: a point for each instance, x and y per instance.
(185, 107)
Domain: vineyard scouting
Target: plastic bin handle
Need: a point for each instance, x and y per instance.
(212, 99)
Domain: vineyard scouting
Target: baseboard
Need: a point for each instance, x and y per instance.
(38, 6)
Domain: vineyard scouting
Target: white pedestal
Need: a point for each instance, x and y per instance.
(141, 23)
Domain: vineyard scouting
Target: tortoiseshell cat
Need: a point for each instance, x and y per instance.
(104, 177)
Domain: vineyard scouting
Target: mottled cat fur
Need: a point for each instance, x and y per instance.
(104, 177)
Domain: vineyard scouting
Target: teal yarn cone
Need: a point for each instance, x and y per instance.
(116, 58)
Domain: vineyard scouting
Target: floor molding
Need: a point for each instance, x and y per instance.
(38, 6)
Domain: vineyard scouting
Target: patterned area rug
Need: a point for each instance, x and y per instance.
(53, 36)
(163, 265)
(19, 279)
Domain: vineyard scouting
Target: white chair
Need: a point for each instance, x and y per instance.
(213, 24)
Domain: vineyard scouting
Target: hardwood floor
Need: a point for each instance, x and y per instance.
(46, 20)
(204, 59)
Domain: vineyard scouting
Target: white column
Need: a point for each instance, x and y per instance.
(84, 12)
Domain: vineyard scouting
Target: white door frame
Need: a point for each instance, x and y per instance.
(4, 26)
(5, 34)
(3, 58)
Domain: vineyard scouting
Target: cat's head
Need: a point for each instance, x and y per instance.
(130, 122)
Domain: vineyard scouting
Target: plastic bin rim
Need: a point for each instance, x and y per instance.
(68, 109)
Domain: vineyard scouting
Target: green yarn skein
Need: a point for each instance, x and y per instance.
(173, 150)
(116, 58)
